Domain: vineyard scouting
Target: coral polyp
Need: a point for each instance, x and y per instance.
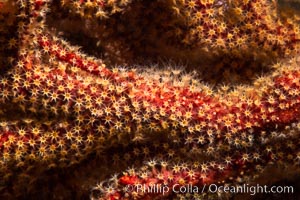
(61, 107)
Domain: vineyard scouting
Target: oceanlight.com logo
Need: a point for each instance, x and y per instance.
(208, 188)
(250, 189)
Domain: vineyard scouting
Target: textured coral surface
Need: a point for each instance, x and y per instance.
(100, 96)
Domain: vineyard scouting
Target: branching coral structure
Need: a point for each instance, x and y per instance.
(59, 105)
